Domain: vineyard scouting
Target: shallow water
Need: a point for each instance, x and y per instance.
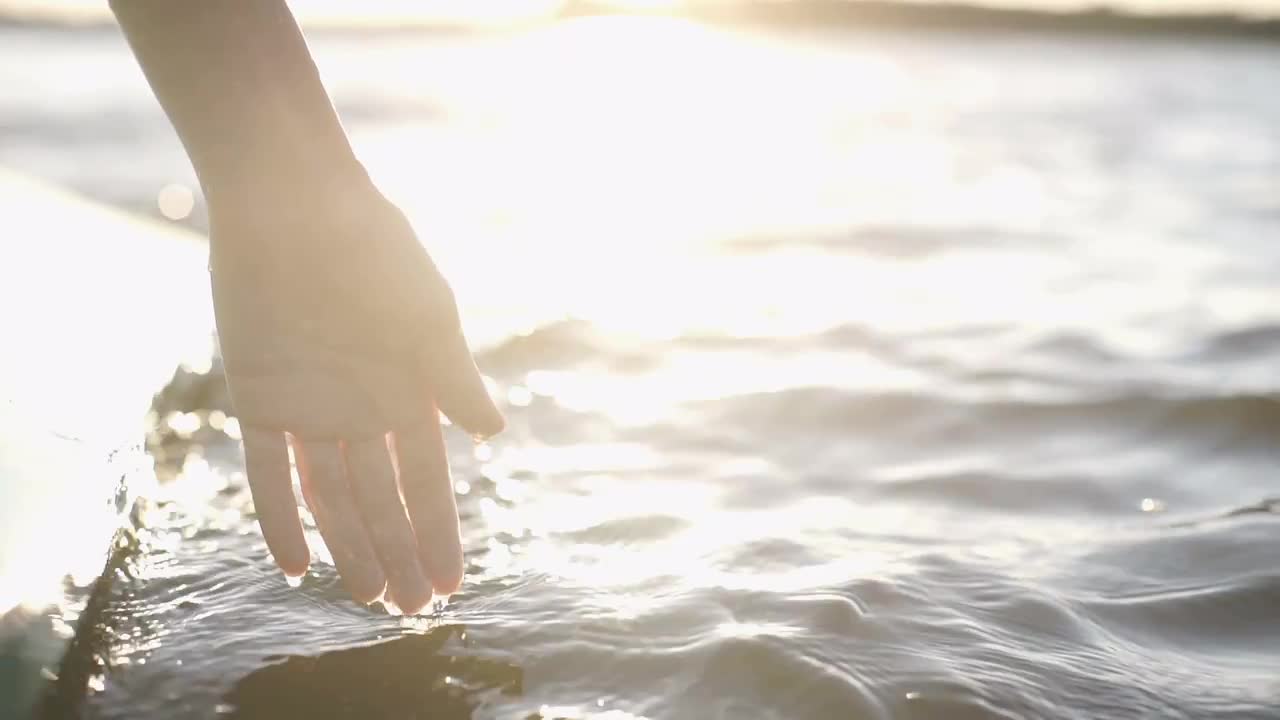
(846, 375)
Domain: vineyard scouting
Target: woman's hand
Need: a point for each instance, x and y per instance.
(336, 329)
(339, 335)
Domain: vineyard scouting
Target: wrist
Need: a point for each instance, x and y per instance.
(290, 226)
(273, 184)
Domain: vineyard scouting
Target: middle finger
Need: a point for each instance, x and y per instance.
(378, 497)
(322, 470)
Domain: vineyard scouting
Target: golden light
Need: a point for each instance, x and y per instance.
(78, 378)
(637, 164)
(748, 299)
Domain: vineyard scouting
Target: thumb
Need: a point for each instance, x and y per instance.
(457, 387)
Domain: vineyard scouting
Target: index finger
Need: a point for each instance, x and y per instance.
(455, 383)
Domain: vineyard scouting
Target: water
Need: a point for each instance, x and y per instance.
(847, 375)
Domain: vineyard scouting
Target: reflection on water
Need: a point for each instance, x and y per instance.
(846, 375)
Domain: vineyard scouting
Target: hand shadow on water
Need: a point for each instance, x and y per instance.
(406, 678)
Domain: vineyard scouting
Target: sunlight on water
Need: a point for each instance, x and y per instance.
(726, 189)
(847, 374)
(627, 165)
(611, 190)
(85, 350)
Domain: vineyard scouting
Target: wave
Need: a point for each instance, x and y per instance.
(902, 242)
(1256, 341)
(568, 342)
(1235, 614)
(388, 679)
(812, 409)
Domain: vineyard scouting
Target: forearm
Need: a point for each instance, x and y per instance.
(238, 83)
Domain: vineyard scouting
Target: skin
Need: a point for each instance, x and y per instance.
(338, 334)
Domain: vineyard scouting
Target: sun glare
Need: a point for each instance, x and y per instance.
(633, 146)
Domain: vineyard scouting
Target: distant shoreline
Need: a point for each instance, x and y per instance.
(846, 14)
(875, 14)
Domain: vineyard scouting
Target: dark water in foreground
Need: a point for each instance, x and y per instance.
(846, 376)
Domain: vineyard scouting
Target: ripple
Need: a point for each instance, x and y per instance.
(743, 674)
(1230, 614)
(1239, 417)
(1256, 341)
(399, 678)
(646, 528)
(999, 492)
(903, 242)
(927, 466)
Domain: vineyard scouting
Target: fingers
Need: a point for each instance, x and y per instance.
(378, 498)
(267, 465)
(428, 495)
(458, 388)
(323, 470)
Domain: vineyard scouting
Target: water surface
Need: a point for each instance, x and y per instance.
(847, 375)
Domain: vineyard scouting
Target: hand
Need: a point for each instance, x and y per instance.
(339, 336)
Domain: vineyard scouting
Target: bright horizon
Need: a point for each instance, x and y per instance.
(340, 11)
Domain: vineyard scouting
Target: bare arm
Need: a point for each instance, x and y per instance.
(238, 83)
(338, 334)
